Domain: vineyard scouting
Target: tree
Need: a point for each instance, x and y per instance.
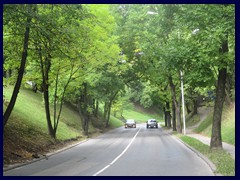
(57, 63)
(227, 15)
(100, 66)
(29, 10)
(216, 31)
(180, 37)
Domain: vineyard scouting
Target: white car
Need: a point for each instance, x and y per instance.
(152, 123)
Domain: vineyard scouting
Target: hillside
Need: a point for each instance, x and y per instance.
(202, 122)
(228, 124)
(26, 133)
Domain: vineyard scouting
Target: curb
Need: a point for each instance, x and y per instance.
(10, 167)
(208, 162)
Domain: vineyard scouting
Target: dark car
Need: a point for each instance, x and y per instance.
(130, 123)
(152, 123)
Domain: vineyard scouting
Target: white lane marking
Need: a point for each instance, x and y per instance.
(103, 169)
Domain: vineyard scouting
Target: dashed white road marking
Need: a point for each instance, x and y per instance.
(103, 169)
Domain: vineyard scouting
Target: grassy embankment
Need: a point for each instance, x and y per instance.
(26, 132)
(228, 125)
(224, 163)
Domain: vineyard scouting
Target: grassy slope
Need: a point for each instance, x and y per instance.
(140, 114)
(228, 125)
(26, 132)
(33, 114)
(137, 112)
(223, 161)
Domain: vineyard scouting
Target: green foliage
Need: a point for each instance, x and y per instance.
(112, 47)
(120, 104)
(169, 45)
(72, 39)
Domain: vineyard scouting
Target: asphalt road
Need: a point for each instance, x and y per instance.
(121, 152)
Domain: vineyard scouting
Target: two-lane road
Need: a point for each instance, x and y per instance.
(122, 152)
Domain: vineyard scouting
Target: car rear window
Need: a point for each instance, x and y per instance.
(130, 120)
(152, 120)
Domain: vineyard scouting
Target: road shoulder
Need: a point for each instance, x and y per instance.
(208, 162)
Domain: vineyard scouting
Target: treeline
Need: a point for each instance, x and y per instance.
(169, 44)
(111, 54)
(69, 52)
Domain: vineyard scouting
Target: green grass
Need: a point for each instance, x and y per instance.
(191, 120)
(26, 131)
(28, 117)
(227, 128)
(205, 124)
(115, 122)
(140, 116)
(29, 109)
(133, 112)
(223, 161)
(228, 125)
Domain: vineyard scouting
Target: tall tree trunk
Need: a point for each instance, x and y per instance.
(188, 108)
(179, 122)
(176, 104)
(45, 77)
(173, 116)
(56, 98)
(169, 125)
(195, 106)
(22, 66)
(80, 111)
(165, 107)
(85, 111)
(45, 65)
(60, 99)
(108, 114)
(105, 111)
(109, 107)
(165, 116)
(228, 91)
(216, 138)
(47, 111)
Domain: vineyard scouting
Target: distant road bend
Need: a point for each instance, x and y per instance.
(121, 152)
